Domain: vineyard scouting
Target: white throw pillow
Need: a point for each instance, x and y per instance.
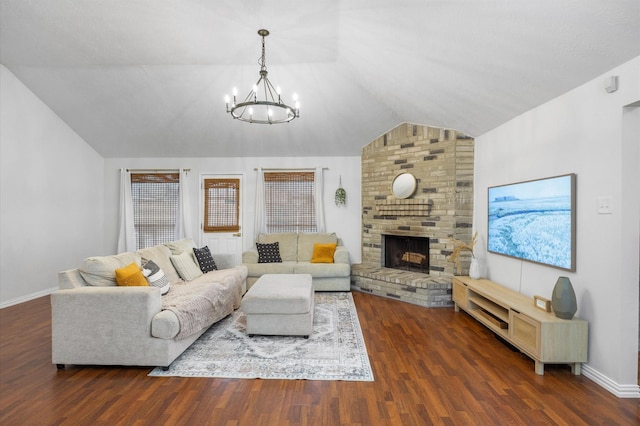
(186, 266)
(101, 270)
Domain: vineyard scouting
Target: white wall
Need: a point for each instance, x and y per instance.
(51, 195)
(344, 221)
(588, 132)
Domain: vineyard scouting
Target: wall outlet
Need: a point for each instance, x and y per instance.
(604, 205)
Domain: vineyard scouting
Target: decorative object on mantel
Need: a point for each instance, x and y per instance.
(563, 299)
(263, 104)
(341, 194)
(403, 185)
(459, 247)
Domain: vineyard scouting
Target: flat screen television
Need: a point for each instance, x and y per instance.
(535, 221)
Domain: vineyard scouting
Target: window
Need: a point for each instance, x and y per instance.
(155, 207)
(221, 205)
(289, 202)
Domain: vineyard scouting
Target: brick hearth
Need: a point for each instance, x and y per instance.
(441, 208)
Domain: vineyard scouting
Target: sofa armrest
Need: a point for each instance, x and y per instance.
(97, 325)
(250, 256)
(341, 255)
(71, 279)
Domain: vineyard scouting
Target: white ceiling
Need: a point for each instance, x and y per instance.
(147, 78)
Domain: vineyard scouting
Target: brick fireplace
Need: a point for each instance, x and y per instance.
(441, 208)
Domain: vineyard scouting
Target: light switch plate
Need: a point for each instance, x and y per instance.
(604, 205)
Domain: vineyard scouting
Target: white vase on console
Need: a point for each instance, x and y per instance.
(474, 268)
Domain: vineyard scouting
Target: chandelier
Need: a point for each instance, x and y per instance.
(263, 104)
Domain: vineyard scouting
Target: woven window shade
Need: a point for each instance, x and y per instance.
(289, 202)
(221, 205)
(155, 207)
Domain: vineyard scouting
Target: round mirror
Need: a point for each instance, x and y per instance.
(404, 185)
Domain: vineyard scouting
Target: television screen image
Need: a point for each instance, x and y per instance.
(535, 221)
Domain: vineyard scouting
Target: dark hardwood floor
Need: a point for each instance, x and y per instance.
(431, 366)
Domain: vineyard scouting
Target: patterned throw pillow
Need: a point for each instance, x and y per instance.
(205, 260)
(155, 276)
(269, 253)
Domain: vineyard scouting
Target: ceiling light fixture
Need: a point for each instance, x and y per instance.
(263, 104)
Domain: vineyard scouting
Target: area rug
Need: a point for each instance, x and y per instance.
(335, 350)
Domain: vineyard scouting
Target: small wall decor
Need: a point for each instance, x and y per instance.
(403, 185)
(341, 195)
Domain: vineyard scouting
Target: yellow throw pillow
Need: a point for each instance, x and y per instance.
(131, 276)
(323, 253)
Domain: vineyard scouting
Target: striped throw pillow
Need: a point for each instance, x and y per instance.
(155, 276)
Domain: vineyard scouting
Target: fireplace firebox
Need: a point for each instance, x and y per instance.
(405, 252)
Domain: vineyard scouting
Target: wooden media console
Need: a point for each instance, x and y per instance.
(512, 316)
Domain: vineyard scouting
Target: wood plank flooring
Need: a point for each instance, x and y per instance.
(431, 366)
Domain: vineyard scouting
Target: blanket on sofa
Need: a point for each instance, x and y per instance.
(199, 304)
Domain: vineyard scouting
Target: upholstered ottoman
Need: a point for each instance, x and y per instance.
(280, 304)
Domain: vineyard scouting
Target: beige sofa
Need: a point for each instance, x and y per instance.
(97, 322)
(296, 250)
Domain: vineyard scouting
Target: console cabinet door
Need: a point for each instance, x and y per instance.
(460, 294)
(525, 333)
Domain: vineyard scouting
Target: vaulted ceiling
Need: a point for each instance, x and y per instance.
(147, 78)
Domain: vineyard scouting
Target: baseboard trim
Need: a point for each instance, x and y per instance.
(621, 391)
(27, 297)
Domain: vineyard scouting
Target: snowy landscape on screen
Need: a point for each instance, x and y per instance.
(532, 221)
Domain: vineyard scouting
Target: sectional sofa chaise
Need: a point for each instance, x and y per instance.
(98, 322)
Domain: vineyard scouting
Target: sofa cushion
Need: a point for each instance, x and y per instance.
(177, 247)
(307, 241)
(186, 265)
(101, 270)
(269, 253)
(161, 255)
(259, 269)
(205, 260)
(288, 242)
(199, 304)
(323, 253)
(323, 270)
(130, 275)
(155, 276)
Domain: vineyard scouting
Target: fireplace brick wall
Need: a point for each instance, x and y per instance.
(440, 209)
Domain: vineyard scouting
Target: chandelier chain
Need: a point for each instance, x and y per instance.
(263, 60)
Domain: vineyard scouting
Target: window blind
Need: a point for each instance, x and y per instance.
(289, 201)
(221, 205)
(155, 207)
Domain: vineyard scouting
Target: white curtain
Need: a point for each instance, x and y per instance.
(318, 201)
(127, 232)
(260, 225)
(183, 219)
